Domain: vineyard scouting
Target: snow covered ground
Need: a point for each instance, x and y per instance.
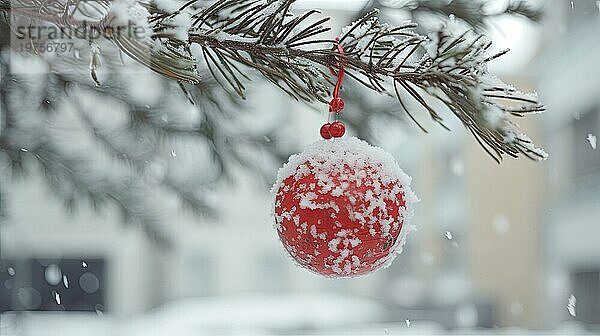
(245, 315)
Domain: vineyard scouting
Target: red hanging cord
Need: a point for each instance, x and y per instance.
(337, 104)
(338, 86)
(336, 129)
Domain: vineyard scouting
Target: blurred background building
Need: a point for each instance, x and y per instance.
(496, 246)
(568, 81)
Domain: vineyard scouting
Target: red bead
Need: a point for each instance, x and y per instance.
(337, 129)
(336, 105)
(325, 131)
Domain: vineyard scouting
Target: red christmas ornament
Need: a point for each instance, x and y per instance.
(342, 207)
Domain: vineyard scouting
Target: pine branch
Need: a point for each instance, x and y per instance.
(453, 71)
(291, 52)
(430, 15)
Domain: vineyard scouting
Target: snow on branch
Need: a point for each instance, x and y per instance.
(293, 53)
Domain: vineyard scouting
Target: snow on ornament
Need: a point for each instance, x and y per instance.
(343, 207)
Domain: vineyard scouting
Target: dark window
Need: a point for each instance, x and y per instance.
(53, 284)
(7, 284)
(586, 289)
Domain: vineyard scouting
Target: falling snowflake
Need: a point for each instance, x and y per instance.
(592, 140)
(516, 308)
(457, 166)
(407, 323)
(571, 305)
(65, 281)
(427, 258)
(53, 274)
(57, 297)
(449, 235)
(173, 154)
(501, 224)
(11, 271)
(84, 264)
